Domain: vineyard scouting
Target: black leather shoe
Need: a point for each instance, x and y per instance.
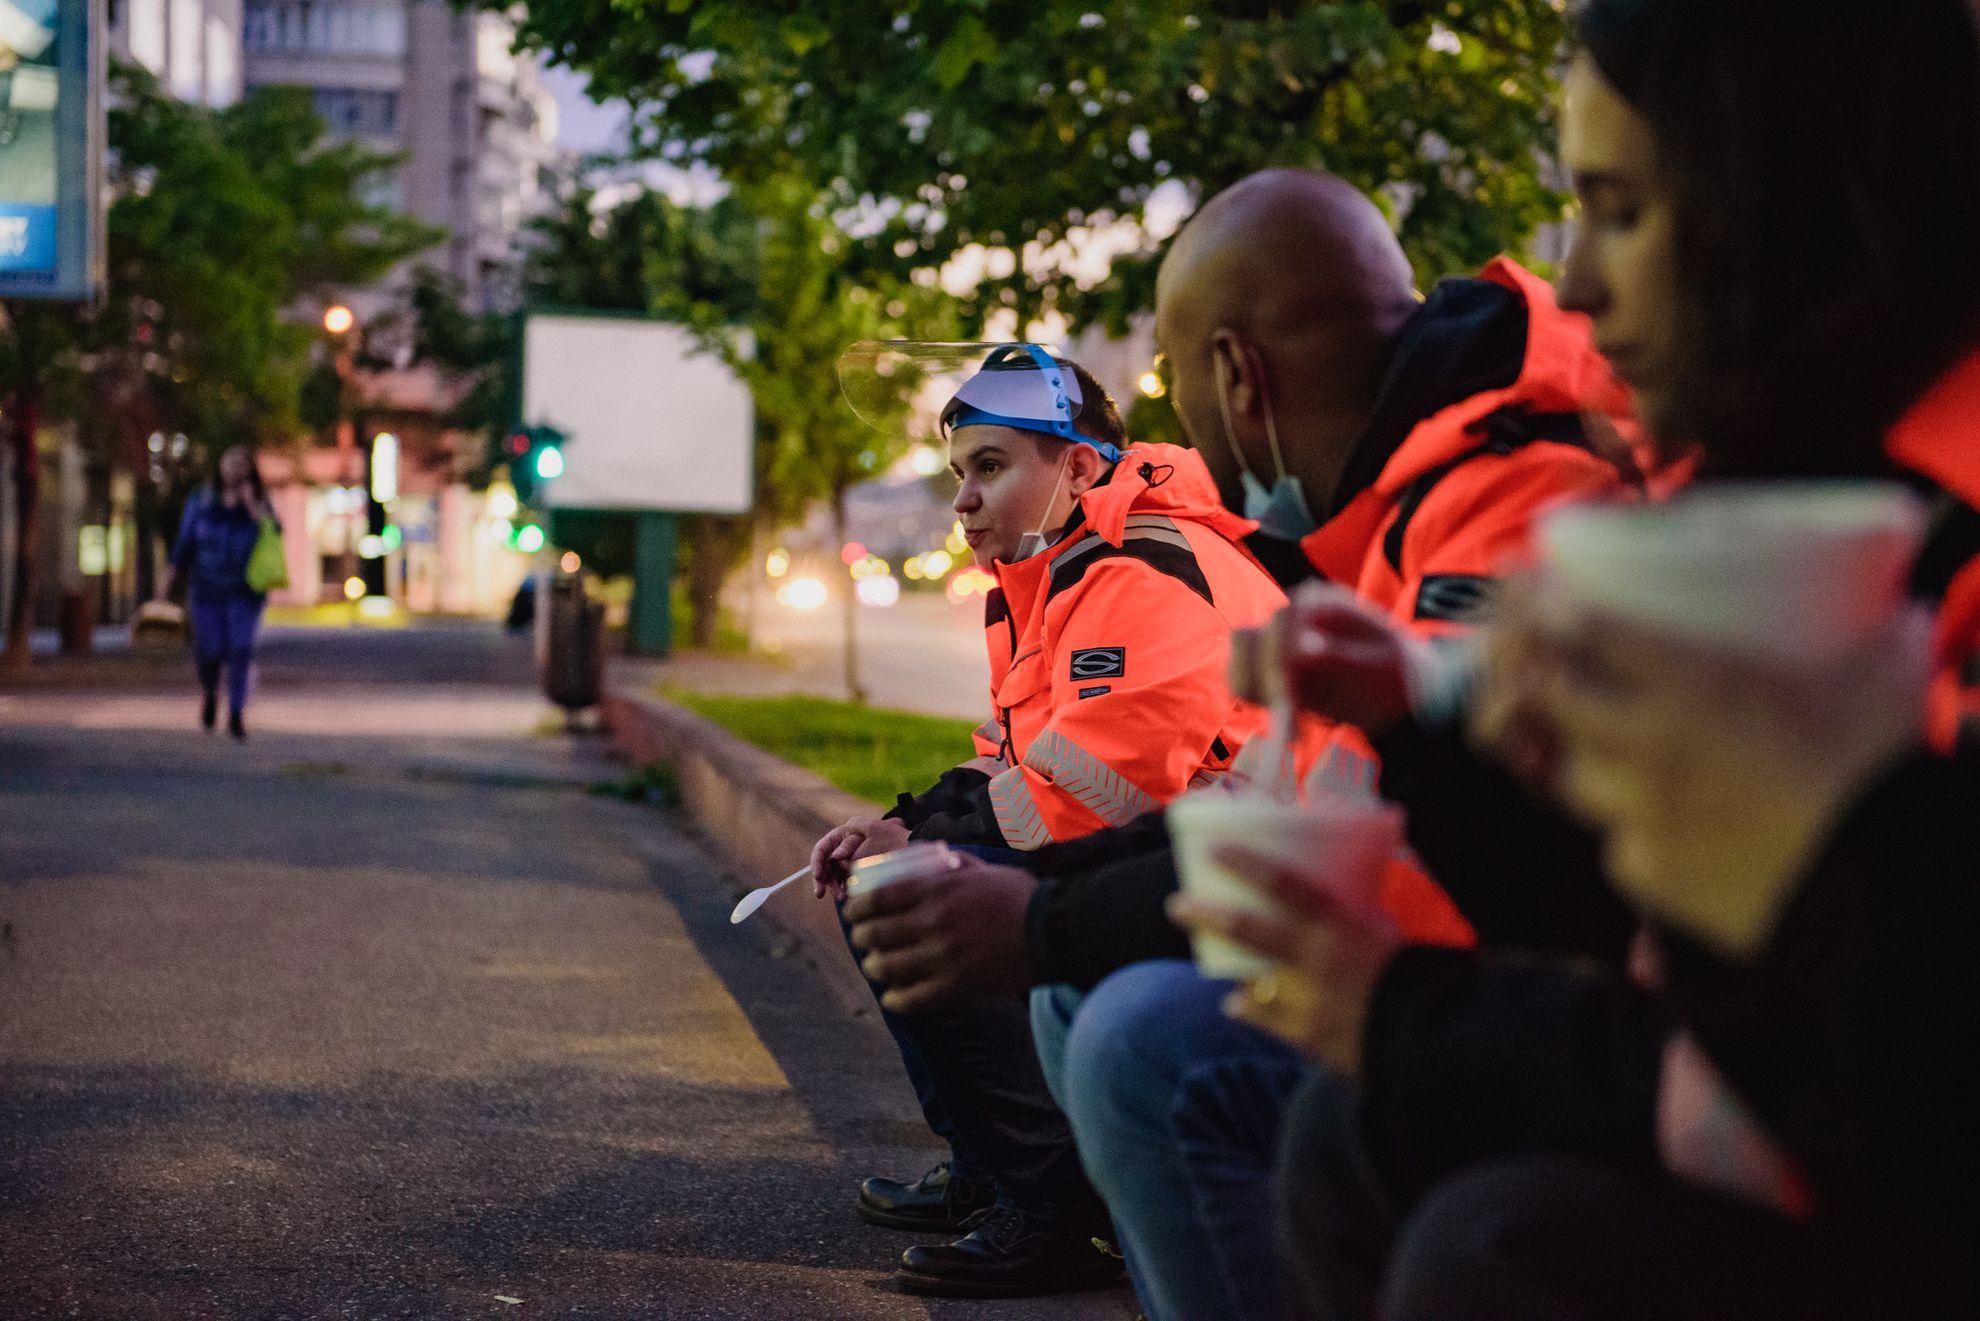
(209, 711)
(936, 1203)
(1007, 1256)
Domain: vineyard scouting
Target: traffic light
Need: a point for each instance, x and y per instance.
(536, 455)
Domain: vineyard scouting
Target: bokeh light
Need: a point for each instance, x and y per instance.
(971, 582)
(878, 591)
(802, 594)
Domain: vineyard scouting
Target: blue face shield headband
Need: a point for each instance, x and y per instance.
(1023, 387)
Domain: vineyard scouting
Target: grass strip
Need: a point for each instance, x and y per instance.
(869, 752)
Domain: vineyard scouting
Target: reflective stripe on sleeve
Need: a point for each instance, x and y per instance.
(1017, 815)
(1094, 784)
(1344, 770)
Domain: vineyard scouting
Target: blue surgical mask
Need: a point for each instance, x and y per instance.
(1281, 512)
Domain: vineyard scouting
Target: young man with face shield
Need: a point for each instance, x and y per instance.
(1121, 579)
(1390, 445)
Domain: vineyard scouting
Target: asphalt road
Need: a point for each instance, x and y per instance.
(923, 654)
(382, 1015)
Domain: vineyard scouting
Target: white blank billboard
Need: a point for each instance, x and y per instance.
(650, 419)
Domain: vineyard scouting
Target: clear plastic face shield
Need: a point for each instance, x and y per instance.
(933, 390)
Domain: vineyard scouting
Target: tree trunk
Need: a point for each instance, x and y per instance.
(854, 691)
(752, 579)
(711, 551)
(27, 495)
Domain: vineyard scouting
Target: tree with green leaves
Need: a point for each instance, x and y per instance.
(763, 276)
(221, 225)
(944, 124)
(810, 306)
(635, 250)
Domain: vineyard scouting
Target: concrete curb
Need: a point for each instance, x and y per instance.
(763, 812)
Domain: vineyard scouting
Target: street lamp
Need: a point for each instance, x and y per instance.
(338, 321)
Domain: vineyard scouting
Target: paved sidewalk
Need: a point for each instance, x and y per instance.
(382, 1015)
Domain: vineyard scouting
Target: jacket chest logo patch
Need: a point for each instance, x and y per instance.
(1099, 663)
(1459, 598)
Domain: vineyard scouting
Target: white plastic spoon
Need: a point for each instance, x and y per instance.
(755, 899)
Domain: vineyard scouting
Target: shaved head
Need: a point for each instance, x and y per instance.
(1292, 287)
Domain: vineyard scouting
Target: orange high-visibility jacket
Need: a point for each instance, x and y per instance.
(1939, 439)
(1457, 499)
(1109, 653)
(1451, 508)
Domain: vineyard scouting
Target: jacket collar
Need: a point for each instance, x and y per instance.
(1558, 371)
(1150, 479)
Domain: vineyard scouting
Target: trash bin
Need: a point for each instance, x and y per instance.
(78, 623)
(574, 660)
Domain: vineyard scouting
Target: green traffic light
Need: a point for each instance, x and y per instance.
(549, 462)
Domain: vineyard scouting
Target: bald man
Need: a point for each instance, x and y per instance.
(1278, 309)
(1395, 445)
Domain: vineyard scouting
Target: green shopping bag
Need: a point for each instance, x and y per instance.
(268, 567)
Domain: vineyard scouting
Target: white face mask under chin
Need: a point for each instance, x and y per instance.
(1032, 543)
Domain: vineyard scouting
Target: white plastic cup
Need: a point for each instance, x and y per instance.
(1774, 571)
(886, 868)
(1342, 844)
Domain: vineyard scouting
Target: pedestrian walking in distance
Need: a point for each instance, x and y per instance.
(226, 582)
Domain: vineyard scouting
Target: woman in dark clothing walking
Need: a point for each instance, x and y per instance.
(216, 539)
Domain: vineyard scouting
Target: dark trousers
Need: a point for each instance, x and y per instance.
(1548, 1237)
(1337, 1221)
(223, 632)
(975, 1072)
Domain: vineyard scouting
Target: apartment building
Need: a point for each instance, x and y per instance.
(439, 85)
(193, 46)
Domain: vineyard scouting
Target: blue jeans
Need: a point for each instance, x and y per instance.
(223, 630)
(1177, 1110)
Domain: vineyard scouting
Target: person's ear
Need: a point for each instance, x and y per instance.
(1240, 374)
(1084, 466)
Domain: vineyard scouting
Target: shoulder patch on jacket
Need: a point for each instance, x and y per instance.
(1154, 540)
(1461, 598)
(1099, 663)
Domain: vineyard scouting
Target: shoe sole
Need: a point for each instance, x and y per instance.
(919, 1224)
(1084, 1280)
